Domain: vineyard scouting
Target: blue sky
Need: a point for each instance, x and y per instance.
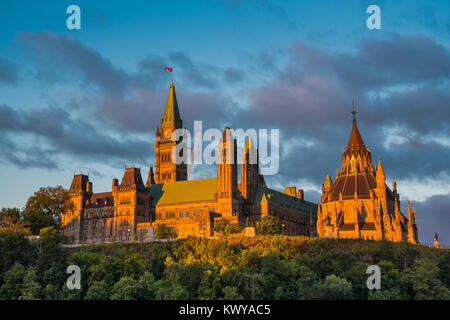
(89, 100)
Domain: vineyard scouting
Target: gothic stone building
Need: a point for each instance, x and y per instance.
(132, 209)
(359, 204)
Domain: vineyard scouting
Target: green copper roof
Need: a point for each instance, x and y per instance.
(171, 113)
(184, 191)
(264, 194)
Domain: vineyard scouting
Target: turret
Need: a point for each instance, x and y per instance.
(227, 167)
(436, 241)
(397, 223)
(411, 237)
(381, 181)
(150, 178)
(166, 168)
(249, 170)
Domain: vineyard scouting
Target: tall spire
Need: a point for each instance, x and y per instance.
(355, 139)
(171, 112)
(380, 171)
(354, 111)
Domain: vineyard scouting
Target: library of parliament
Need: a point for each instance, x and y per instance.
(358, 204)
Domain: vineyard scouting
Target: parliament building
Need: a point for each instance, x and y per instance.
(359, 204)
(132, 210)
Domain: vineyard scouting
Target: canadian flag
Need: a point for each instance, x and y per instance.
(168, 69)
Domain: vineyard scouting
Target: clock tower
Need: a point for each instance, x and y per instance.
(167, 170)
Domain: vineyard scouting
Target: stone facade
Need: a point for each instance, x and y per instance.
(359, 204)
(133, 210)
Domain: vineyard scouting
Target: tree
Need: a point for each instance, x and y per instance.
(231, 293)
(51, 259)
(37, 220)
(125, 289)
(13, 279)
(11, 221)
(225, 227)
(269, 225)
(164, 232)
(31, 289)
(422, 282)
(145, 286)
(133, 265)
(334, 288)
(14, 247)
(97, 291)
(12, 213)
(52, 201)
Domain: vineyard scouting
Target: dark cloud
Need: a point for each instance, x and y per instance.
(61, 134)
(106, 106)
(433, 215)
(8, 72)
(233, 75)
(62, 57)
(196, 74)
(401, 84)
(25, 156)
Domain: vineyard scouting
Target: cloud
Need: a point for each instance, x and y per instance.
(59, 133)
(433, 216)
(108, 113)
(61, 57)
(401, 86)
(196, 74)
(8, 72)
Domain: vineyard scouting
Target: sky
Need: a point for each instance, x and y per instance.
(89, 100)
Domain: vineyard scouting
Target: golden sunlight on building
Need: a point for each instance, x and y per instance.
(133, 209)
(359, 204)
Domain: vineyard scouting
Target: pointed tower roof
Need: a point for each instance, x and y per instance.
(355, 139)
(380, 171)
(250, 151)
(171, 112)
(327, 183)
(151, 177)
(227, 136)
(409, 213)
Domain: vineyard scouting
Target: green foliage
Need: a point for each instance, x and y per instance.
(268, 225)
(99, 290)
(334, 288)
(12, 282)
(164, 232)
(12, 213)
(262, 267)
(231, 293)
(37, 220)
(422, 281)
(31, 288)
(52, 201)
(225, 227)
(14, 247)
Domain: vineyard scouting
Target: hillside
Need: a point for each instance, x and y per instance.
(276, 267)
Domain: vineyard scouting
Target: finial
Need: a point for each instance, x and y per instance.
(354, 111)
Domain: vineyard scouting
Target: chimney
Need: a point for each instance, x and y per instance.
(301, 195)
(89, 187)
(290, 191)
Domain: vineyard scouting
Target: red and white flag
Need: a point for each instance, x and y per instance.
(168, 69)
